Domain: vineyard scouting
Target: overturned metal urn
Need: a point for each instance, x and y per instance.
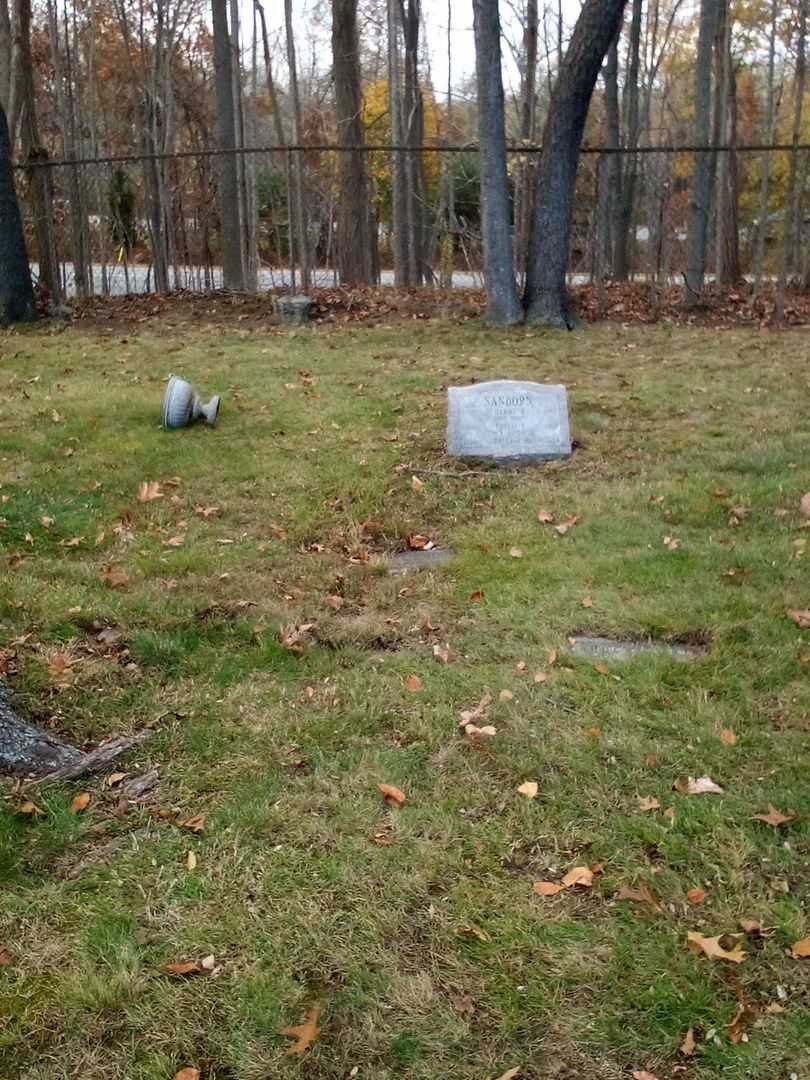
(182, 405)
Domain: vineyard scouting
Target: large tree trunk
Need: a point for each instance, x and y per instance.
(399, 174)
(355, 225)
(299, 198)
(792, 240)
(232, 257)
(727, 244)
(546, 296)
(630, 101)
(524, 187)
(703, 179)
(36, 157)
(765, 182)
(414, 129)
(503, 307)
(16, 293)
(611, 170)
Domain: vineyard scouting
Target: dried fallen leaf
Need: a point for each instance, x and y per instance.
(414, 684)
(46, 522)
(704, 785)
(80, 802)
(191, 860)
(547, 888)
(687, 1047)
(114, 577)
(672, 543)
(510, 1074)
(587, 602)
(579, 875)
(775, 817)
(469, 716)
(529, 788)
(477, 596)
(552, 657)
(335, 602)
(804, 505)
(485, 732)
(516, 552)
(696, 896)
(506, 695)
(727, 737)
(196, 823)
(801, 949)
(174, 541)
(712, 948)
(149, 490)
(474, 932)
(417, 485)
(648, 802)
(115, 778)
(417, 542)
(5, 957)
(641, 895)
(392, 795)
(187, 1074)
(189, 967)
(642, 1074)
(801, 618)
(30, 809)
(540, 676)
(304, 1034)
(442, 653)
(545, 518)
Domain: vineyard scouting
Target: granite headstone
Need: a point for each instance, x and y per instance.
(508, 422)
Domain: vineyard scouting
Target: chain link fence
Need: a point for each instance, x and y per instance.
(151, 224)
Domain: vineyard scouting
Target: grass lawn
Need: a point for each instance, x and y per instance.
(417, 930)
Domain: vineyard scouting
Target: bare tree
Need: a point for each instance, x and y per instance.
(546, 296)
(233, 270)
(765, 181)
(503, 306)
(792, 240)
(528, 112)
(625, 203)
(299, 197)
(16, 293)
(355, 227)
(703, 177)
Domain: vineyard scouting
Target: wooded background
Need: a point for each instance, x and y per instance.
(129, 117)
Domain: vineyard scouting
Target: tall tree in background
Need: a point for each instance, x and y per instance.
(628, 164)
(703, 177)
(765, 180)
(524, 188)
(356, 239)
(299, 198)
(546, 296)
(16, 293)
(233, 270)
(503, 306)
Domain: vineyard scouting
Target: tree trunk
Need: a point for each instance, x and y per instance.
(414, 128)
(765, 182)
(355, 225)
(299, 198)
(528, 111)
(399, 176)
(626, 206)
(791, 246)
(503, 307)
(16, 293)
(232, 255)
(546, 296)
(611, 172)
(36, 157)
(727, 247)
(703, 179)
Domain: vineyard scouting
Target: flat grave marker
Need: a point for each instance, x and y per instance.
(508, 422)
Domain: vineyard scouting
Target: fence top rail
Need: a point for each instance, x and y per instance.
(467, 148)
